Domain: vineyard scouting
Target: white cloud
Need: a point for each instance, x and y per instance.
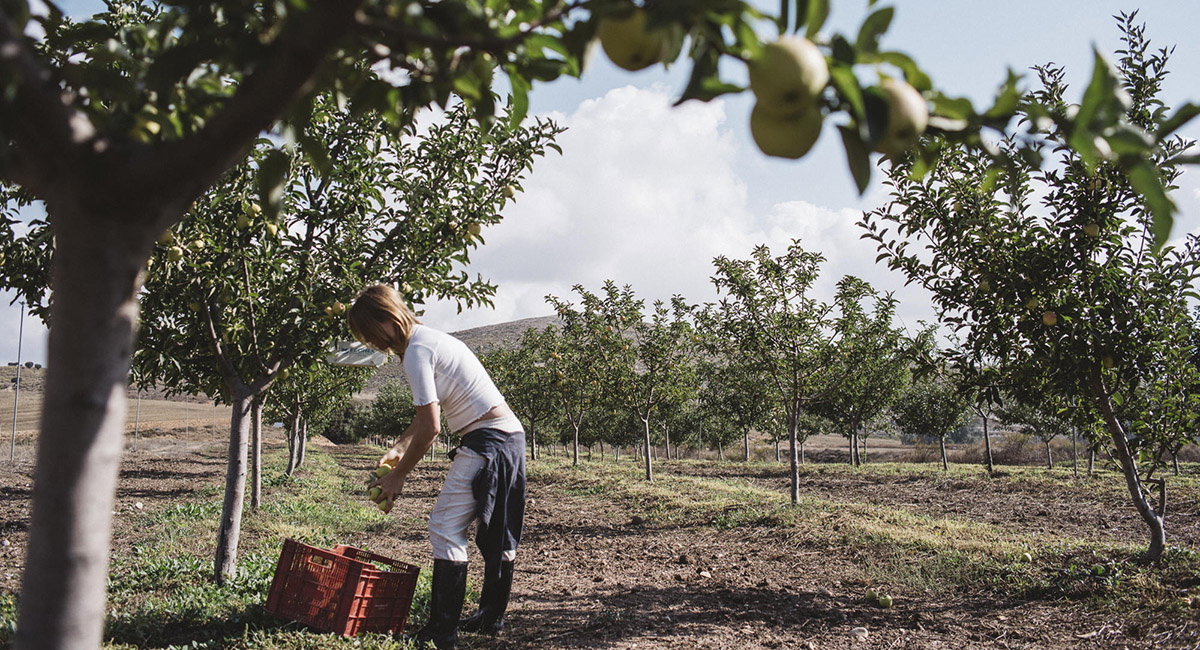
(647, 194)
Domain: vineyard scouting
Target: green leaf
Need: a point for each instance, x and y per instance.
(846, 84)
(1182, 116)
(1099, 90)
(519, 104)
(857, 157)
(273, 171)
(1144, 178)
(815, 16)
(912, 72)
(875, 26)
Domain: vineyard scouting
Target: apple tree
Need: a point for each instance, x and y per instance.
(312, 394)
(768, 311)
(577, 357)
(1039, 419)
(871, 358)
(735, 385)
(1054, 273)
(526, 378)
(932, 406)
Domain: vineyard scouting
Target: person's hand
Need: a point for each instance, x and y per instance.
(390, 486)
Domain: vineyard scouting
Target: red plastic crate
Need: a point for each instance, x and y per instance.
(340, 590)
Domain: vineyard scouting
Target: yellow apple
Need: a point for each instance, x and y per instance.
(197, 245)
(1049, 318)
(785, 137)
(272, 229)
(1092, 230)
(787, 76)
(175, 253)
(908, 115)
(474, 229)
(629, 44)
(509, 191)
(338, 308)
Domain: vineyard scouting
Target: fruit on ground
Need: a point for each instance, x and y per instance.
(885, 601)
(788, 76)
(384, 505)
(382, 471)
(1049, 318)
(872, 595)
(1027, 557)
(908, 115)
(628, 43)
(785, 137)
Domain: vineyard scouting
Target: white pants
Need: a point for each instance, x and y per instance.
(455, 509)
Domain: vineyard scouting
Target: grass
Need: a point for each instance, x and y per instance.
(161, 594)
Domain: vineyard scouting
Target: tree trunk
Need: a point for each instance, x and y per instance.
(720, 450)
(1091, 460)
(667, 442)
(293, 441)
(1049, 456)
(303, 441)
(1153, 519)
(802, 460)
(853, 447)
(793, 417)
(945, 462)
(256, 452)
(1175, 462)
(617, 453)
(97, 262)
(575, 447)
(863, 456)
(225, 564)
(532, 441)
(746, 445)
(646, 442)
(778, 458)
(987, 446)
(1075, 452)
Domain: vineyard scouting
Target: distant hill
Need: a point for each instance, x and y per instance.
(479, 339)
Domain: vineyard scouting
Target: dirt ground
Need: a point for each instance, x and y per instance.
(592, 576)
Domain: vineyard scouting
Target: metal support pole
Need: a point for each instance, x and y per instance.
(12, 448)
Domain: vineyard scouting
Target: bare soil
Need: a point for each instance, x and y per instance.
(590, 575)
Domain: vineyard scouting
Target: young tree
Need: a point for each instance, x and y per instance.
(932, 407)
(577, 351)
(1074, 295)
(119, 123)
(736, 385)
(871, 358)
(1040, 419)
(312, 395)
(526, 378)
(767, 311)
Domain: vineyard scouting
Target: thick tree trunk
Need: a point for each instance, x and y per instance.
(96, 270)
(646, 442)
(225, 564)
(987, 446)
(256, 452)
(945, 461)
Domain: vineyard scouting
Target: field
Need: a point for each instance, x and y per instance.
(709, 555)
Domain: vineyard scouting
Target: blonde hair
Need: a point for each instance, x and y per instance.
(380, 318)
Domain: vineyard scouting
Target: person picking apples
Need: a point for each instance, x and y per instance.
(486, 481)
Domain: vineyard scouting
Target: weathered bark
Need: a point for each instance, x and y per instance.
(225, 563)
(667, 442)
(532, 441)
(945, 461)
(646, 442)
(720, 451)
(256, 452)
(1153, 518)
(802, 460)
(97, 261)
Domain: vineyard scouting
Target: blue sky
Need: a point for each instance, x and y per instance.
(647, 195)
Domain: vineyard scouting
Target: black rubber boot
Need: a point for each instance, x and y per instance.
(445, 606)
(493, 601)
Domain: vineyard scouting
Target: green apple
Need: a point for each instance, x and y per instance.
(243, 221)
(872, 595)
(384, 505)
(373, 493)
(272, 229)
(175, 253)
(788, 76)
(1092, 230)
(908, 115)
(338, 308)
(785, 137)
(1027, 557)
(1108, 362)
(628, 43)
(509, 191)
(328, 311)
(984, 285)
(474, 229)
(167, 237)
(382, 471)
(1032, 303)
(197, 245)
(885, 601)
(1049, 318)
